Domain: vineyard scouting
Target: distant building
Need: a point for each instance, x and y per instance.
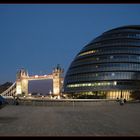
(107, 67)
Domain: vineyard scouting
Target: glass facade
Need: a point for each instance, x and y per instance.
(110, 64)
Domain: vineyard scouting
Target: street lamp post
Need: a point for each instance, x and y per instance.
(50, 94)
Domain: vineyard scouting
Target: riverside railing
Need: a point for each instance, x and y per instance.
(60, 102)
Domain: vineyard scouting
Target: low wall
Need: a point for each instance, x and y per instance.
(60, 102)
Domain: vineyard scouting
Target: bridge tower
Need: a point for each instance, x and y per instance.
(57, 80)
(22, 82)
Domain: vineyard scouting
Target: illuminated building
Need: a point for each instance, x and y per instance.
(107, 67)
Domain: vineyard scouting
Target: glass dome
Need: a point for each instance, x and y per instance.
(107, 67)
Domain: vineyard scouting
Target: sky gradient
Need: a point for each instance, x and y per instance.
(37, 37)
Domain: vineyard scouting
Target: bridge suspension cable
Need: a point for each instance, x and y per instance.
(10, 91)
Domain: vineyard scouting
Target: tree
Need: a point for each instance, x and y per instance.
(5, 86)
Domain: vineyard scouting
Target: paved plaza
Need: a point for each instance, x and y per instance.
(98, 119)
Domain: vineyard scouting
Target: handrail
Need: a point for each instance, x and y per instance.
(3, 93)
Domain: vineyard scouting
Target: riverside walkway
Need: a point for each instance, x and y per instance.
(96, 119)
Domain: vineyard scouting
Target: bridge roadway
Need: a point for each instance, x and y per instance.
(96, 119)
(40, 77)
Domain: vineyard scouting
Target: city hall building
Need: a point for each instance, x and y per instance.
(107, 67)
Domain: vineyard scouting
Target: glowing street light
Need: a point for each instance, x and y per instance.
(50, 92)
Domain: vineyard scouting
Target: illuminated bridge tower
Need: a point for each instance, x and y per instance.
(22, 82)
(57, 80)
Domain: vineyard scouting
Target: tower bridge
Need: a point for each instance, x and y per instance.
(20, 86)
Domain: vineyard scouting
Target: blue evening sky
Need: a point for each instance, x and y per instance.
(40, 36)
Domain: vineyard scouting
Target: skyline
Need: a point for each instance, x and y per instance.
(37, 37)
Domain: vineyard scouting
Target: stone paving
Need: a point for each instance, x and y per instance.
(98, 119)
